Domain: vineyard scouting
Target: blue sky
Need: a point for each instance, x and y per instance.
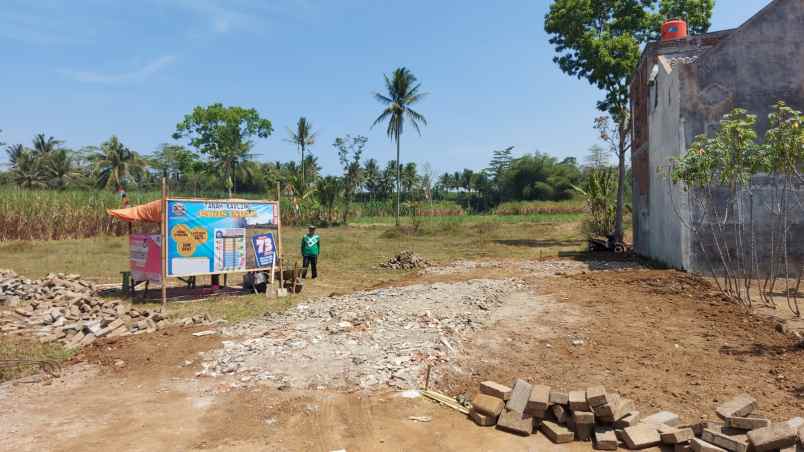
(84, 70)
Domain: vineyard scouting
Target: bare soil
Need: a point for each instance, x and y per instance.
(660, 337)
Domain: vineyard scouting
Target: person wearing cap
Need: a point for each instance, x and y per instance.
(310, 248)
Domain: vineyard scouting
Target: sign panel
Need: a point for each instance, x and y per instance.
(218, 236)
(145, 257)
(264, 249)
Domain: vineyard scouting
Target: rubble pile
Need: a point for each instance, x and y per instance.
(367, 339)
(610, 421)
(64, 308)
(405, 260)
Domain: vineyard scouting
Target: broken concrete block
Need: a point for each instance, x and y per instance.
(596, 396)
(662, 417)
(495, 389)
(722, 438)
(740, 406)
(627, 420)
(623, 408)
(641, 436)
(559, 397)
(796, 422)
(482, 419)
(560, 412)
(488, 405)
(702, 446)
(577, 401)
(538, 401)
(605, 439)
(747, 423)
(557, 433)
(583, 424)
(520, 394)
(775, 436)
(605, 412)
(673, 435)
(514, 422)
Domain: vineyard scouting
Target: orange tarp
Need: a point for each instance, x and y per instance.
(150, 212)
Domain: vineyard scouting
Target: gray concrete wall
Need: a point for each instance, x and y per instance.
(661, 234)
(752, 68)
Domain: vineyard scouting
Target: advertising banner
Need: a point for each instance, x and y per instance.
(218, 236)
(145, 257)
(264, 249)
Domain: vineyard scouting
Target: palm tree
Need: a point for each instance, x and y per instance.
(115, 163)
(27, 171)
(402, 91)
(59, 169)
(14, 153)
(45, 146)
(302, 137)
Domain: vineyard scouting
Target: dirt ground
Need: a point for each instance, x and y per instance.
(660, 337)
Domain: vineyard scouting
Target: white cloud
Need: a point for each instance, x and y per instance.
(247, 15)
(137, 75)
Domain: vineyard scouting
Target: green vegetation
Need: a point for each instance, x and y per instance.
(32, 355)
(601, 41)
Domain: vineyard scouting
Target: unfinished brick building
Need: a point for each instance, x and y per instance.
(682, 88)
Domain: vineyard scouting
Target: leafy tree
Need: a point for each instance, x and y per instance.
(302, 137)
(115, 164)
(402, 91)
(224, 134)
(372, 178)
(173, 161)
(600, 40)
(500, 161)
(350, 149)
(329, 190)
(410, 178)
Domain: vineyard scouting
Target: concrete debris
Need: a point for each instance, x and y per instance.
(405, 260)
(514, 422)
(371, 339)
(63, 308)
(495, 389)
(742, 405)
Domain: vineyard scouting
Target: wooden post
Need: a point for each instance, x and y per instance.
(280, 257)
(164, 244)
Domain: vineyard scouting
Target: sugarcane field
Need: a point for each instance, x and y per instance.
(603, 249)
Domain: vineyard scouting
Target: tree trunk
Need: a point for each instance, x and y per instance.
(618, 216)
(398, 181)
(302, 169)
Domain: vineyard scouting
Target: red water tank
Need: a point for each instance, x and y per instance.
(674, 29)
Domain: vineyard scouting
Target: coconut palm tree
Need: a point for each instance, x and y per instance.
(43, 147)
(59, 169)
(302, 137)
(115, 163)
(14, 153)
(402, 91)
(27, 171)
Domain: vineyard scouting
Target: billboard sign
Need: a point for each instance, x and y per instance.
(218, 236)
(145, 255)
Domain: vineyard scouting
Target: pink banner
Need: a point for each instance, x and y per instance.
(145, 256)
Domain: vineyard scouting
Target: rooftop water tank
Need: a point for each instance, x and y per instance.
(674, 29)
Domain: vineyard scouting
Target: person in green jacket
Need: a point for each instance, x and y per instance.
(310, 248)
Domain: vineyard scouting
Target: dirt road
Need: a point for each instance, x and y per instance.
(659, 337)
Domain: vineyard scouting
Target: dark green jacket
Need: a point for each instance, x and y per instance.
(311, 245)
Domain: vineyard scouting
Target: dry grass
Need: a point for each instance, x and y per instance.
(28, 353)
(540, 207)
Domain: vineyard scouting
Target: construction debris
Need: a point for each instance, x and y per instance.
(615, 422)
(63, 308)
(405, 260)
(371, 339)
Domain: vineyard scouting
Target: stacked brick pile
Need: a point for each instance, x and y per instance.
(64, 308)
(610, 420)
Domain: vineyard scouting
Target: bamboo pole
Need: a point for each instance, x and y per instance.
(280, 257)
(164, 244)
